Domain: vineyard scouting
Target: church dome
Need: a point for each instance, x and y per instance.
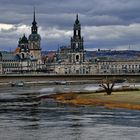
(23, 40)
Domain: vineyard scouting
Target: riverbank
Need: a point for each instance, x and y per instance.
(121, 99)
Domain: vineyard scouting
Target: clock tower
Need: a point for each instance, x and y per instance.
(34, 42)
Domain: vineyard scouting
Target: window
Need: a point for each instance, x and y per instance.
(22, 55)
(76, 32)
(77, 58)
(77, 71)
(76, 45)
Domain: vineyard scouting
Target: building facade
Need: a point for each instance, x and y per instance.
(119, 67)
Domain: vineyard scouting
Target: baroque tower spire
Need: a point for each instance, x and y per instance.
(77, 43)
(34, 16)
(34, 41)
(34, 24)
(77, 40)
(77, 20)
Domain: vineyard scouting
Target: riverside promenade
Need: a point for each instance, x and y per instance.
(54, 77)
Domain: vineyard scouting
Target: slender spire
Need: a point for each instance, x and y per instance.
(34, 13)
(34, 21)
(77, 20)
(77, 16)
(34, 24)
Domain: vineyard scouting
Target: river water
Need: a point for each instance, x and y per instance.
(24, 116)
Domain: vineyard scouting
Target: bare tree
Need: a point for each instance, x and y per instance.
(107, 85)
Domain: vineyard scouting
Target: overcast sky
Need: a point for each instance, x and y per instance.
(106, 24)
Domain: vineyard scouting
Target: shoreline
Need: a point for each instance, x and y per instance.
(51, 82)
(123, 99)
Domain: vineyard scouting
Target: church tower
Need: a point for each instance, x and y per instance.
(77, 46)
(23, 49)
(34, 41)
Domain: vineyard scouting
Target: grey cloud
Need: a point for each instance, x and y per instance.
(60, 14)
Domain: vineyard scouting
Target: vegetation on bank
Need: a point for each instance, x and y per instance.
(131, 97)
(120, 99)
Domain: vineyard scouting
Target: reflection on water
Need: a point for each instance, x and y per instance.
(24, 116)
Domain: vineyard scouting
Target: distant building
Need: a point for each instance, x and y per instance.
(118, 66)
(27, 56)
(9, 62)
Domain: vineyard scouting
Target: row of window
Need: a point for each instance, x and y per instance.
(120, 66)
(80, 71)
(10, 65)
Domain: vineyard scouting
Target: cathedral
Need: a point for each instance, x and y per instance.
(71, 59)
(74, 53)
(30, 48)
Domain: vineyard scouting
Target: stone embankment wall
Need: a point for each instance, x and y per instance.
(46, 77)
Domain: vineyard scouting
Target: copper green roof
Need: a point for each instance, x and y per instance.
(23, 40)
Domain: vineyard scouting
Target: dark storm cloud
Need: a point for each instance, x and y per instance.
(93, 12)
(59, 15)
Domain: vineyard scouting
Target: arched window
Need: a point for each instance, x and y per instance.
(23, 55)
(77, 58)
(0, 57)
(77, 32)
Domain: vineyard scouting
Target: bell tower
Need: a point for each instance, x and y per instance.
(23, 49)
(77, 47)
(34, 42)
(77, 40)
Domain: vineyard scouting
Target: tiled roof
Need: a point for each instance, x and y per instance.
(9, 56)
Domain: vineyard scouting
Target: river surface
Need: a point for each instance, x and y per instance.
(26, 116)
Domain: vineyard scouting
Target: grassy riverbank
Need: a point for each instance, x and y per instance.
(121, 99)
